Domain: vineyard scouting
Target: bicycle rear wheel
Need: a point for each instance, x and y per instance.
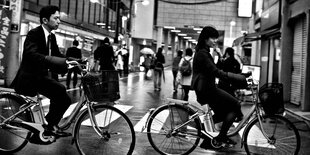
(115, 133)
(15, 137)
(283, 135)
(162, 132)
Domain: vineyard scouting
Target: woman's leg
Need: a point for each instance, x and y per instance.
(75, 78)
(68, 80)
(160, 76)
(155, 79)
(219, 99)
(174, 73)
(186, 91)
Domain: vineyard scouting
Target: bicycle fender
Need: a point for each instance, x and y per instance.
(246, 128)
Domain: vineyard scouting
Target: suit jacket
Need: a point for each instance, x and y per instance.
(74, 52)
(35, 65)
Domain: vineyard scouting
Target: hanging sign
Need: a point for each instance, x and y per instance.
(4, 35)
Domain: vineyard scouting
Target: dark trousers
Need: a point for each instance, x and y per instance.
(186, 91)
(175, 85)
(59, 99)
(75, 73)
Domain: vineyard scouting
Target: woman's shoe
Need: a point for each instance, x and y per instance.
(224, 141)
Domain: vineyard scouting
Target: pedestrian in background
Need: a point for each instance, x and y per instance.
(119, 63)
(158, 69)
(76, 53)
(147, 65)
(125, 57)
(185, 79)
(175, 69)
(104, 56)
(229, 64)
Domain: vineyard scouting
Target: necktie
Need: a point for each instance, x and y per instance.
(49, 51)
(49, 45)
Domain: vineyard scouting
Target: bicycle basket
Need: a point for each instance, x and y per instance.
(271, 98)
(102, 86)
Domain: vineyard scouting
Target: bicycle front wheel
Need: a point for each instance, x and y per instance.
(113, 134)
(169, 134)
(283, 137)
(13, 138)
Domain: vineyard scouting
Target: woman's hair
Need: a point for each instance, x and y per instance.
(47, 11)
(159, 51)
(180, 53)
(189, 52)
(206, 33)
(230, 51)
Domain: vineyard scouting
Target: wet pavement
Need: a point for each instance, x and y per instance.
(139, 94)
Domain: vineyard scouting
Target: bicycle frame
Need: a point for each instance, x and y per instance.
(253, 113)
(37, 127)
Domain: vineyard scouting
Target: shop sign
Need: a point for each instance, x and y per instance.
(4, 35)
(16, 7)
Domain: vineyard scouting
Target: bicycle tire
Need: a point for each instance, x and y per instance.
(284, 135)
(15, 138)
(117, 135)
(159, 128)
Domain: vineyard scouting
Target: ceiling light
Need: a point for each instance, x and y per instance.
(182, 34)
(197, 29)
(177, 31)
(169, 27)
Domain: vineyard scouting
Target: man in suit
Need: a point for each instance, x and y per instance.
(73, 52)
(41, 56)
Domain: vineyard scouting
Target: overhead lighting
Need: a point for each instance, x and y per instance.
(169, 27)
(197, 29)
(192, 40)
(187, 37)
(177, 31)
(100, 23)
(182, 34)
(94, 1)
(145, 2)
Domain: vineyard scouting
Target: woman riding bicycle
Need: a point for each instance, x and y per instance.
(225, 106)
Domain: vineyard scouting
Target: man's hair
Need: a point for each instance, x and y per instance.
(47, 11)
(106, 40)
(75, 42)
(206, 33)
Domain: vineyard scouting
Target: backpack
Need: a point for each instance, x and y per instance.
(186, 68)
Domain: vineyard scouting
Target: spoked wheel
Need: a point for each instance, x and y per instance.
(13, 138)
(114, 133)
(283, 137)
(163, 135)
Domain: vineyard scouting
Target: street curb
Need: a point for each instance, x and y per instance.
(303, 118)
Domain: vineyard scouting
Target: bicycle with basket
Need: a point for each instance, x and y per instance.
(98, 125)
(264, 128)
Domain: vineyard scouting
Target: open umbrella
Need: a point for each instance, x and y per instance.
(147, 50)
